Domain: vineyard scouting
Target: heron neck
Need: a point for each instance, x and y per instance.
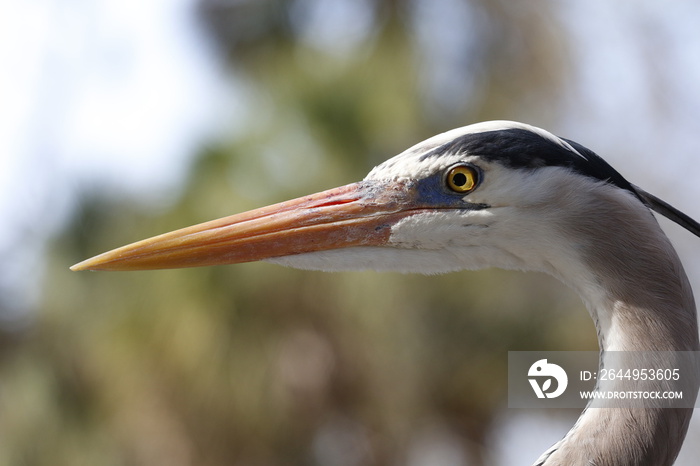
(640, 299)
(627, 272)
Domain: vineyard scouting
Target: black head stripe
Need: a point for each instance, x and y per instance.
(592, 165)
(520, 148)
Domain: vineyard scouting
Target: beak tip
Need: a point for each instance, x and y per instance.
(88, 264)
(79, 267)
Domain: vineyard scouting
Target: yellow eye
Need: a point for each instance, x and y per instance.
(462, 178)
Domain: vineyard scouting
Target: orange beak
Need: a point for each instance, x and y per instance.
(359, 214)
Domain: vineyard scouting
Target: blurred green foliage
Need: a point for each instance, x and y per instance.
(256, 364)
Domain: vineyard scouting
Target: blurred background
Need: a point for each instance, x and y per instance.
(120, 120)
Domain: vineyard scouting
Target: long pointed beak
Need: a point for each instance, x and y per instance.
(359, 214)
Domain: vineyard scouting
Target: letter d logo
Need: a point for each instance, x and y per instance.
(543, 369)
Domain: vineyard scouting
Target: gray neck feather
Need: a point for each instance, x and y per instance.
(641, 301)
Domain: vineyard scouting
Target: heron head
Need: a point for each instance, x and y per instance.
(487, 195)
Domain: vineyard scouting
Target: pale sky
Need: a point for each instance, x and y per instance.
(104, 95)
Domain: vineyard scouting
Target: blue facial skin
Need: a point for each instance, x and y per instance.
(433, 192)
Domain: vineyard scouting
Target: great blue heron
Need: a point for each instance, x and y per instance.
(493, 194)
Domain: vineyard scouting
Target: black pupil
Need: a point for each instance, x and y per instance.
(459, 179)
